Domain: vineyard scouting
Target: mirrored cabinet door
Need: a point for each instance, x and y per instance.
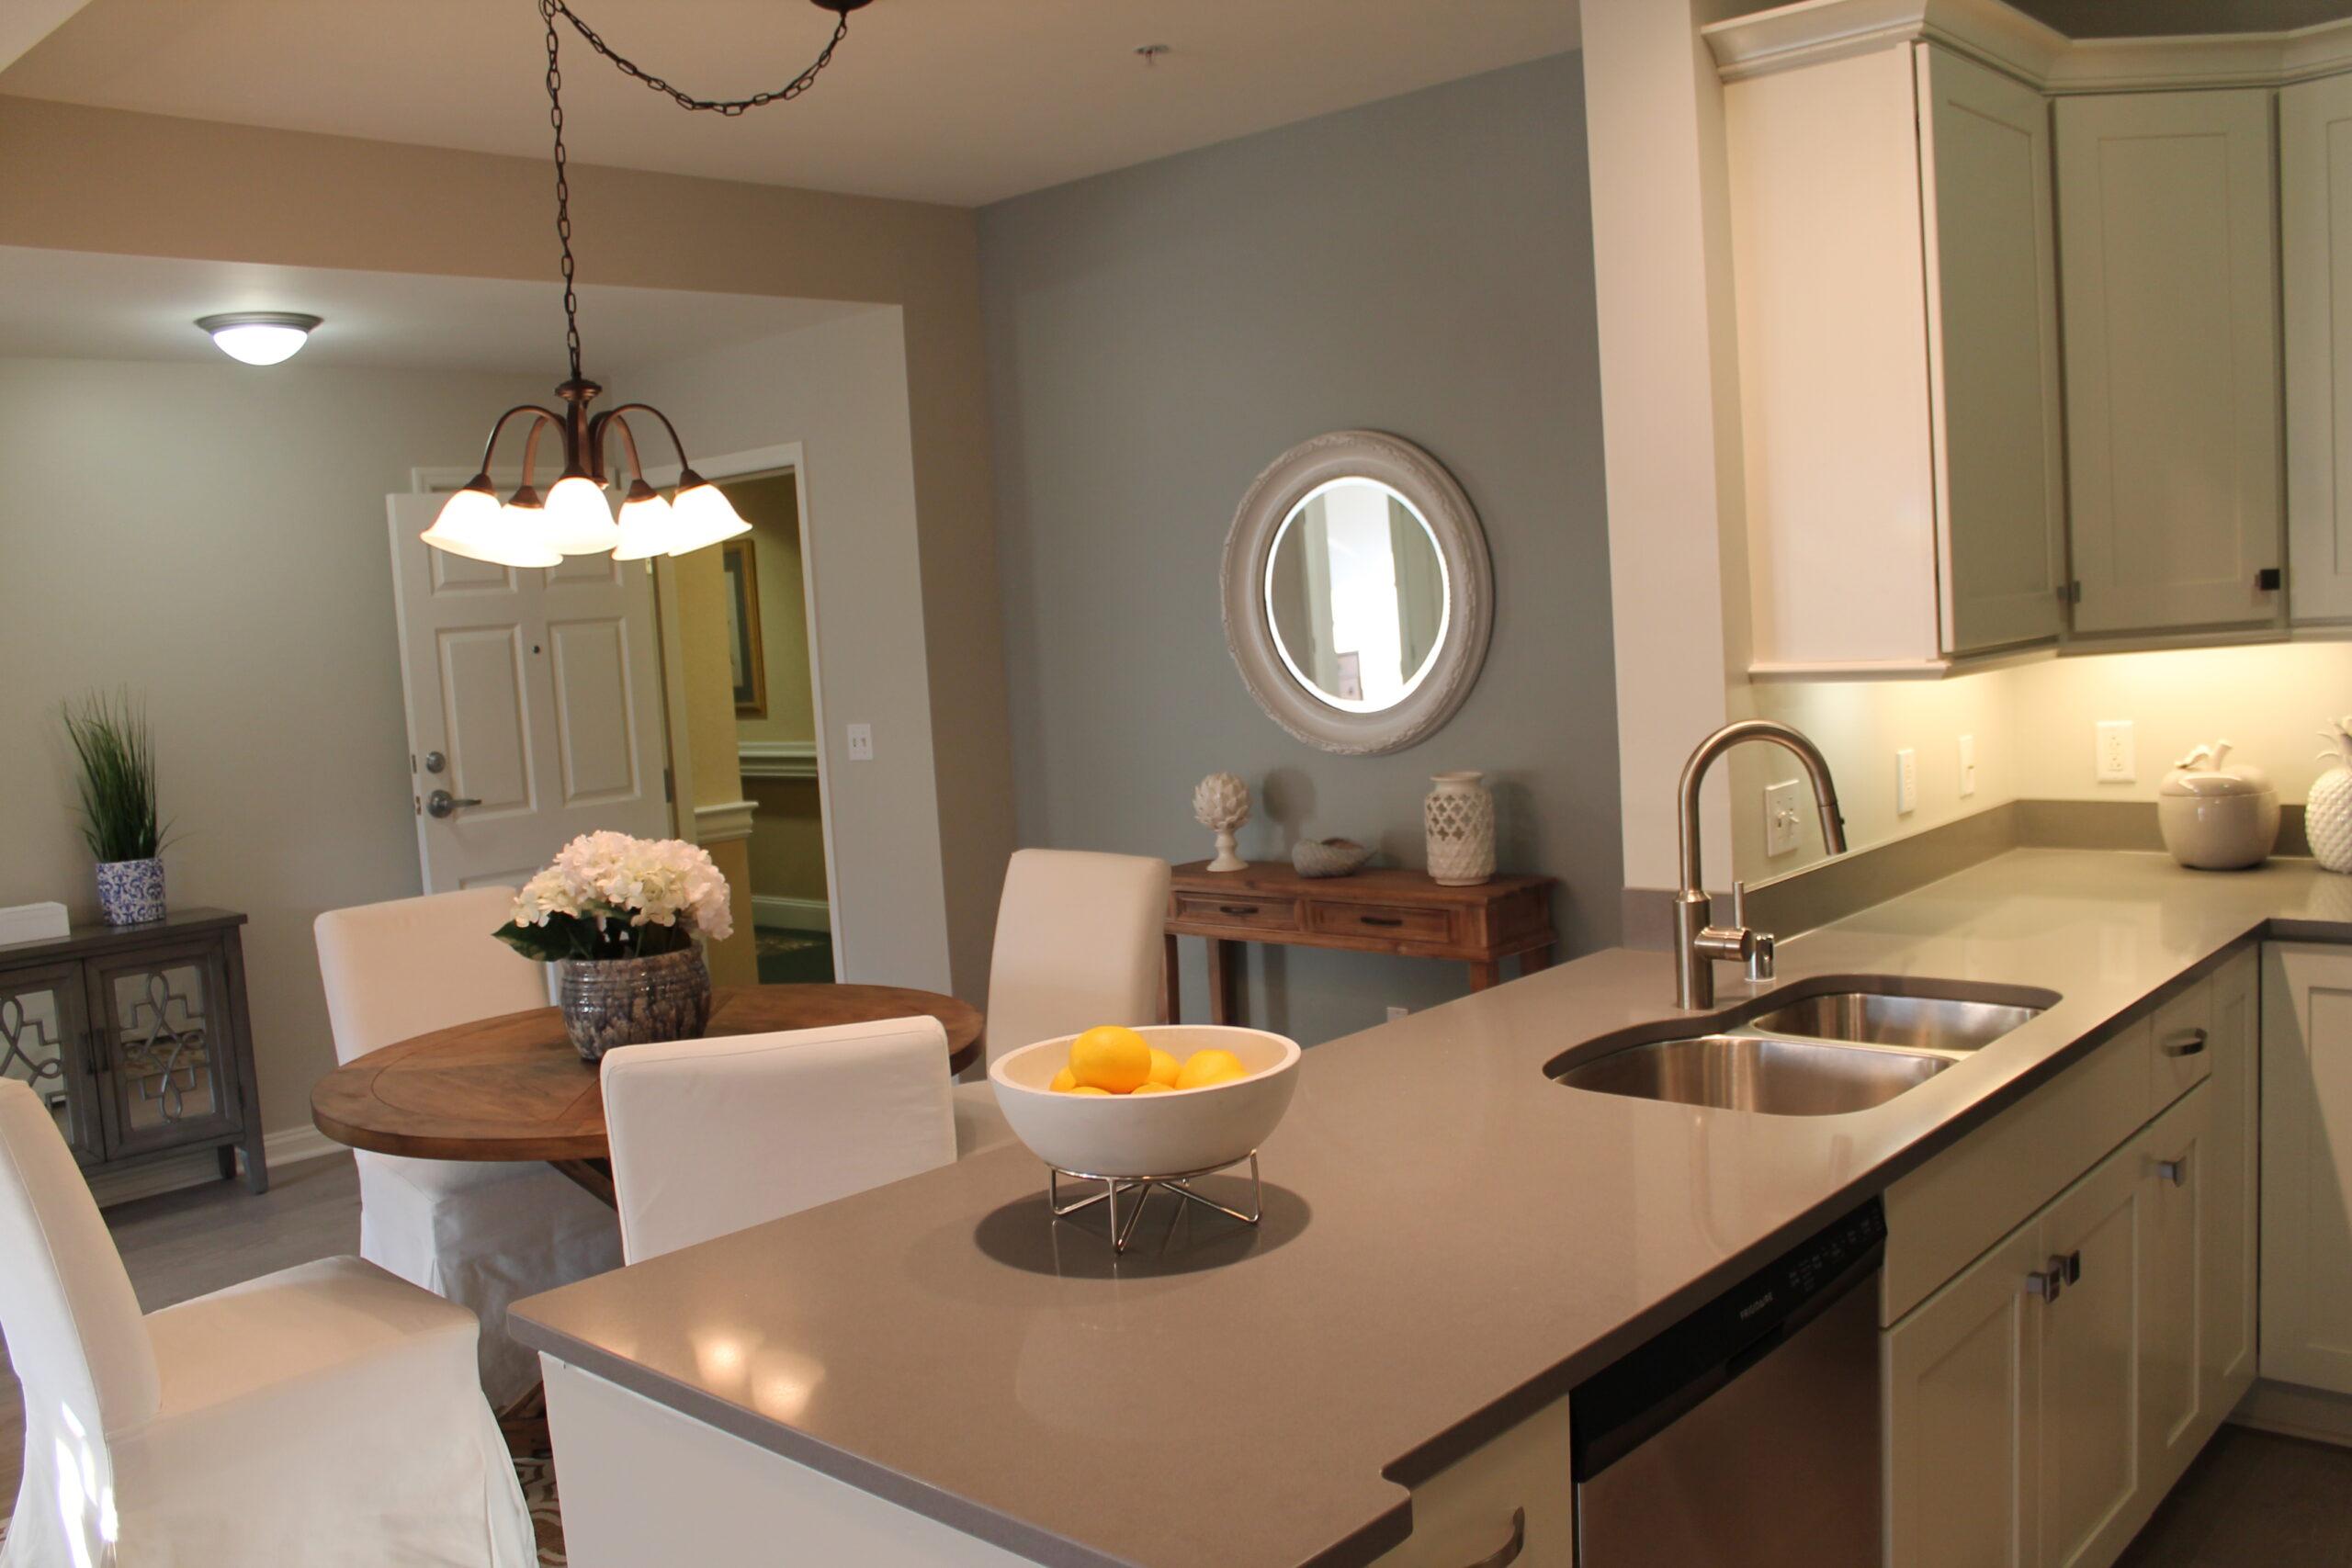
(44, 1043)
(158, 1021)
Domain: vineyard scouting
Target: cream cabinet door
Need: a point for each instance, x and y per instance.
(2231, 1187)
(1516, 1487)
(1962, 1380)
(2307, 1166)
(2090, 1405)
(2315, 242)
(1993, 350)
(2167, 223)
(2175, 1163)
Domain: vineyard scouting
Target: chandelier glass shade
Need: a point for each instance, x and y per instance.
(575, 516)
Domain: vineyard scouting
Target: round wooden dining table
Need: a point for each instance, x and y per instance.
(512, 1087)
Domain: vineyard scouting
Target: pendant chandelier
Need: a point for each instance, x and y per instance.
(575, 517)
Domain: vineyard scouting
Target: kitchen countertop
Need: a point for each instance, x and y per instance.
(1451, 1241)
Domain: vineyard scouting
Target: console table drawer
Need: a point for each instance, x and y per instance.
(1400, 922)
(1238, 911)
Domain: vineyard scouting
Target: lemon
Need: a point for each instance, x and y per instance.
(1203, 1068)
(1090, 1089)
(1164, 1067)
(1064, 1081)
(1153, 1086)
(1110, 1058)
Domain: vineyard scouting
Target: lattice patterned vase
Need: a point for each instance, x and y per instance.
(1459, 819)
(131, 892)
(2327, 811)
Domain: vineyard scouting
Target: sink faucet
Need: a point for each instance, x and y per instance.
(1699, 943)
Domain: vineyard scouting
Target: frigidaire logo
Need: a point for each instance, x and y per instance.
(1758, 1305)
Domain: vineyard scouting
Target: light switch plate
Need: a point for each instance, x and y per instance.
(861, 743)
(1967, 766)
(1783, 824)
(2114, 762)
(1907, 781)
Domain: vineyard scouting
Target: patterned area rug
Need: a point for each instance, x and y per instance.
(790, 957)
(527, 1438)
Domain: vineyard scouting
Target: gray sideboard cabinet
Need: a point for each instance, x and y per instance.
(137, 1037)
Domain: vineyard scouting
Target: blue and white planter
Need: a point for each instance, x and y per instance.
(131, 892)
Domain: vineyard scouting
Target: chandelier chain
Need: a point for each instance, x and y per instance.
(684, 100)
(548, 9)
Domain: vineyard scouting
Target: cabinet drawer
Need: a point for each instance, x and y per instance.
(1237, 910)
(1405, 922)
(2182, 1057)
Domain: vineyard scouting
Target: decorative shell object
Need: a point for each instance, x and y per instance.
(1459, 819)
(1328, 857)
(1221, 804)
(2327, 816)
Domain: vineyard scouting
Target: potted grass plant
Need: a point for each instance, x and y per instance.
(117, 754)
(619, 916)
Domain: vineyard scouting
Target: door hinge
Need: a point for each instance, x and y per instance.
(2070, 592)
(669, 787)
(2270, 578)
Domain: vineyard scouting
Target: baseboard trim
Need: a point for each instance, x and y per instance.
(791, 914)
(2315, 1414)
(286, 1145)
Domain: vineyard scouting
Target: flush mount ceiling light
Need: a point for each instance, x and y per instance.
(574, 517)
(259, 337)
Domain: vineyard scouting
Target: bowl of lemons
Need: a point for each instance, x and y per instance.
(1162, 1100)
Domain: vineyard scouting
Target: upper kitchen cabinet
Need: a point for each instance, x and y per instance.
(2315, 235)
(2167, 224)
(1898, 348)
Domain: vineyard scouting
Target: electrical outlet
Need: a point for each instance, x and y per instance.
(1395, 1012)
(1967, 766)
(861, 743)
(1783, 818)
(1907, 781)
(2115, 763)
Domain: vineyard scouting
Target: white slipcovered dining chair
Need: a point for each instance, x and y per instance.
(1078, 941)
(483, 1234)
(712, 1136)
(326, 1415)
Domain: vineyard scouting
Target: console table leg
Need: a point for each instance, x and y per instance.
(1485, 976)
(1222, 1008)
(1171, 1010)
(1534, 958)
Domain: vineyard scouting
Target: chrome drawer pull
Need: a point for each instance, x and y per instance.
(2190, 1043)
(2074, 1267)
(1380, 919)
(2174, 1170)
(2047, 1283)
(1512, 1547)
(1237, 908)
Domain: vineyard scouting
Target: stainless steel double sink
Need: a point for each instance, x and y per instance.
(1822, 1047)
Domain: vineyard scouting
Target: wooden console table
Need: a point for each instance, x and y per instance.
(1402, 912)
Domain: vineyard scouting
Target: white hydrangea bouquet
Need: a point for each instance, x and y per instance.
(608, 896)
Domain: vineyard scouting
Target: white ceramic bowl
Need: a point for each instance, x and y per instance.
(1150, 1134)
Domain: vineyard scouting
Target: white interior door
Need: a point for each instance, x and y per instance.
(540, 692)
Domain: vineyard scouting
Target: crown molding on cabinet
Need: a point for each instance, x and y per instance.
(2007, 40)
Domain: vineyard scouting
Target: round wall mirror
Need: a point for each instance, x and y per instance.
(1357, 592)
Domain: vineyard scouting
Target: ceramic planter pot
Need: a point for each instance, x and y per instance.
(632, 1001)
(131, 892)
(1459, 819)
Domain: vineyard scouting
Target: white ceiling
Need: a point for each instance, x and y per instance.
(958, 101)
(64, 304)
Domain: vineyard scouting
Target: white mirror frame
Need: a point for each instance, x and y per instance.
(1422, 480)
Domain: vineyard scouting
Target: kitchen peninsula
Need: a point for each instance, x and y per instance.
(1452, 1241)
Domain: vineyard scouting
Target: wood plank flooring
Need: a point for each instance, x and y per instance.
(181, 1245)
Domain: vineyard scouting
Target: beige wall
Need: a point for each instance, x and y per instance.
(770, 506)
(788, 841)
(105, 180)
(701, 597)
(214, 536)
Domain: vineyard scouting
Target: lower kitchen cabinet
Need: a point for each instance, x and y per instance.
(1512, 1489)
(2307, 1166)
(2039, 1403)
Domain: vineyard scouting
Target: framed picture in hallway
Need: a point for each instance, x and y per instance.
(745, 660)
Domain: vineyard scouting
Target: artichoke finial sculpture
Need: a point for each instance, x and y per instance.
(1221, 804)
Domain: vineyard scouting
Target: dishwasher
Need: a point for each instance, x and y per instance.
(1746, 1435)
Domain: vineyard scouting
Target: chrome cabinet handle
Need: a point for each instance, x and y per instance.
(441, 803)
(2189, 1043)
(2174, 1170)
(1510, 1550)
(2047, 1283)
(2074, 1267)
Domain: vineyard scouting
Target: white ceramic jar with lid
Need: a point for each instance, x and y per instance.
(2217, 815)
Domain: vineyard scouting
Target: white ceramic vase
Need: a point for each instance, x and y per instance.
(1459, 819)
(2327, 811)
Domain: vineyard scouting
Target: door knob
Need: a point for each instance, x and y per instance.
(441, 803)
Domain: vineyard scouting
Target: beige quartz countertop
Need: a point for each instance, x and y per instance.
(1451, 1240)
